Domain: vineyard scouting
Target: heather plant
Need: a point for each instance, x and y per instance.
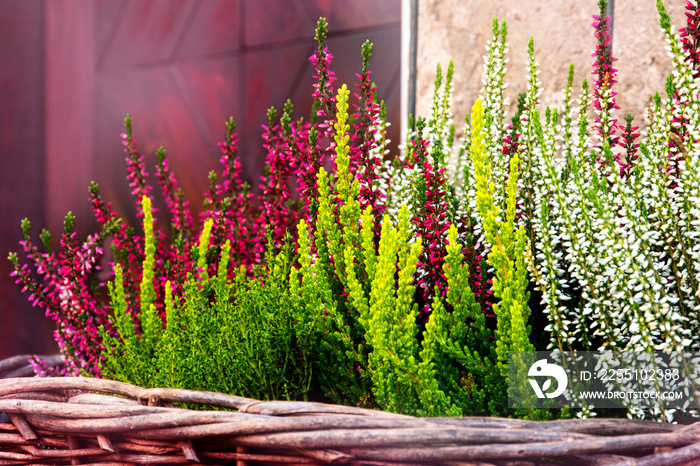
(68, 292)
(609, 217)
(229, 335)
(409, 282)
(350, 303)
(375, 284)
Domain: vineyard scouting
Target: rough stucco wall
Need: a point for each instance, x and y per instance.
(562, 32)
(640, 46)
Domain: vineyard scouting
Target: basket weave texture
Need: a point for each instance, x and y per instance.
(75, 420)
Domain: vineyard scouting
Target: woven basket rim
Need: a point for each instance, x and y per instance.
(111, 422)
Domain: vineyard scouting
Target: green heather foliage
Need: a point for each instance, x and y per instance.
(233, 336)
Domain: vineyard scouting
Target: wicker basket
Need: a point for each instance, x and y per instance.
(72, 420)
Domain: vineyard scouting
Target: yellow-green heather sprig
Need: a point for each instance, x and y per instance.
(203, 250)
(356, 293)
(118, 302)
(147, 292)
(130, 360)
(407, 255)
(222, 271)
(151, 323)
(307, 290)
(461, 341)
(450, 337)
(433, 400)
(391, 322)
(347, 185)
(117, 364)
(169, 303)
(327, 235)
(339, 255)
(367, 238)
(338, 258)
(459, 294)
(507, 250)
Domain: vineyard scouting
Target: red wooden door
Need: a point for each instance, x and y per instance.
(182, 67)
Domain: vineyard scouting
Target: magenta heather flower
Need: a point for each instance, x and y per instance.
(430, 219)
(435, 210)
(511, 141)
(231, 202)
(310, 161)
(690, 35)
(363, 155)
(182, 221)
(603, 93)
(629, 144)
(281, 164)
(46, 368)
(136, 172)
(69, 293)
(324, 92)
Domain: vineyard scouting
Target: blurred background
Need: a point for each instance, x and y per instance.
(70, 70)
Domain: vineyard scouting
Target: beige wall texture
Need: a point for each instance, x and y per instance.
(562, 32)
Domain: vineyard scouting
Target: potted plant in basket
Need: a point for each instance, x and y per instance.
(401, 283)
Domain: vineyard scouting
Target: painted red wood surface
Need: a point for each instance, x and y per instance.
(180, 68)
(22, 328)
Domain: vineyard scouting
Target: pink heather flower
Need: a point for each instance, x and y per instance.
(690, 35)
(627, 141)
(136, 173)
(182, 221)
(431, 224)
(325, 93)
(690, 38)
(605, 74)
(366, 162)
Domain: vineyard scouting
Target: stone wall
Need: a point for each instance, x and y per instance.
(562, 32)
